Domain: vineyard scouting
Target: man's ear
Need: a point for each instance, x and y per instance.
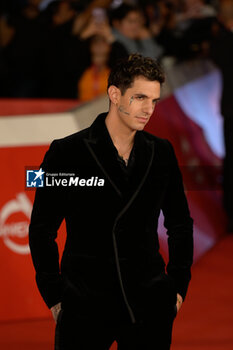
(114, 94)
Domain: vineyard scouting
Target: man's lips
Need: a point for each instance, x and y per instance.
(142, 119)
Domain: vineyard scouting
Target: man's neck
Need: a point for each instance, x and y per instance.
(122, 137)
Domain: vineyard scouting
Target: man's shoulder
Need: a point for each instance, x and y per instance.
(63, 149)
(68, 144)
(158, 141)
(162, 147)
(73, 138)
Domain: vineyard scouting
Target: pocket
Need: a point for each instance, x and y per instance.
(172, 289)
(159, 293)
(173, 295)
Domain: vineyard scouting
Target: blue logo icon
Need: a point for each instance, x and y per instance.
(35, 178)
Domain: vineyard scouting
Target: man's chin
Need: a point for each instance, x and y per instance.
(140, 127)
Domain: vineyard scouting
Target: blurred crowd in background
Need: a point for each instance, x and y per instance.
(65, 48)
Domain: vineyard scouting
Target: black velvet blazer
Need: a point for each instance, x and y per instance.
(111, 263)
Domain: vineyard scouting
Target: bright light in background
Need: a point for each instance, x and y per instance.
(200, 101)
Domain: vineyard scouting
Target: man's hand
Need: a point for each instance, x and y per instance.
(179, 302)
(55, 311)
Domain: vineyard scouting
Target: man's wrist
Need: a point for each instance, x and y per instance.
(179, 298)
(55, 310)
(179, 301)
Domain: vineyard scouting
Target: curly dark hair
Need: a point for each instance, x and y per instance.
(135, 65)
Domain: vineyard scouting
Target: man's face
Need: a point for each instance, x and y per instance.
(136, 106)
(131, 25)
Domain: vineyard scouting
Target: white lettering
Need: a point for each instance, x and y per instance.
(90, 181)
(82, 182)
(73, 181)
(66, 174)
(17, 229)
(47, 182)
(64, 182)
(57, 181)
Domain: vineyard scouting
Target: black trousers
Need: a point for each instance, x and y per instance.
(75, 333)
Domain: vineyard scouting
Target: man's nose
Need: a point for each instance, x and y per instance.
(148, 108)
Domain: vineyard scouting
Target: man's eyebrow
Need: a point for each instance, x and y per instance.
(140, 95)
(143, 95)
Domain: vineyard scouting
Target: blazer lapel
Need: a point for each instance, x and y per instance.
(144, 154)
(105, 161)
(104, 153)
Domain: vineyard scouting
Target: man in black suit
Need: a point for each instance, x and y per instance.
(112, 284)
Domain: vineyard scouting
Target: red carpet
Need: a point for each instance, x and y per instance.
(205, 321)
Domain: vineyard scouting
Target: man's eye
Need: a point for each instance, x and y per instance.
(140, 97)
